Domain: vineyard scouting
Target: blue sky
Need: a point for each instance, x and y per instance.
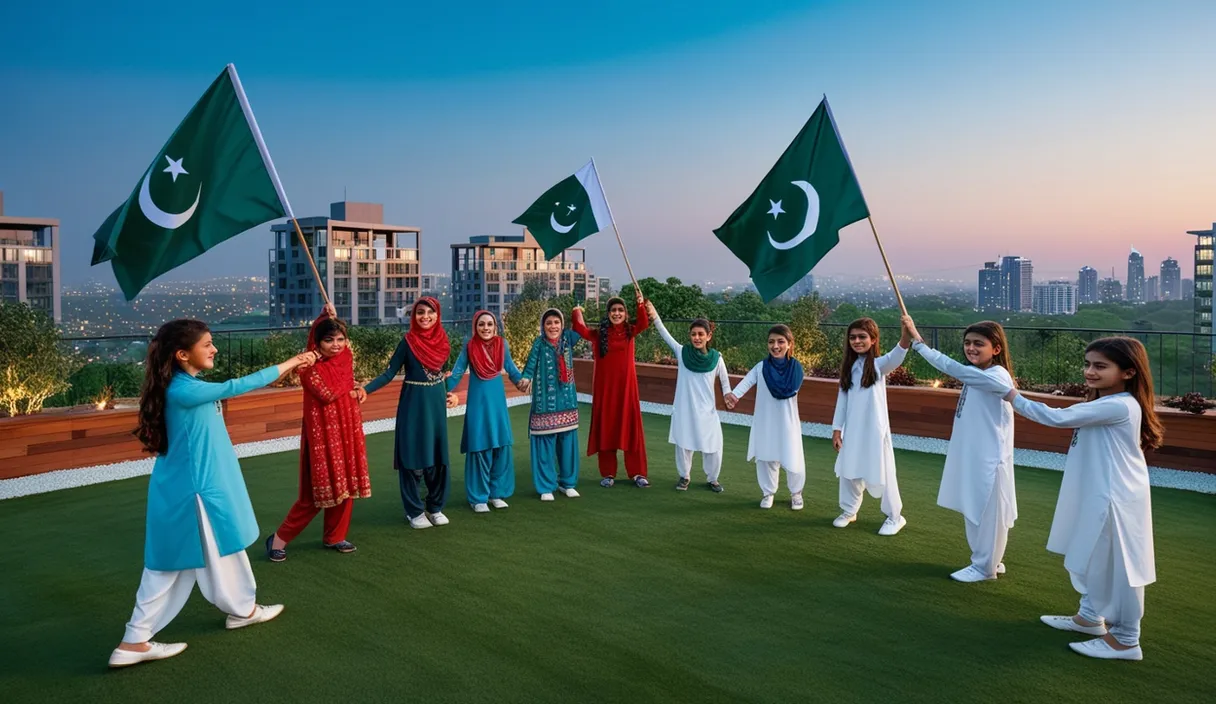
(1063, 131)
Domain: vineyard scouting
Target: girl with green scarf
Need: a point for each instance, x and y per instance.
(695, 426)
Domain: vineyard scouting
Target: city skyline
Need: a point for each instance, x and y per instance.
(981, 133)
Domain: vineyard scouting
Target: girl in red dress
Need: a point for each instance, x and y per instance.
(333, 459)
(616, 407)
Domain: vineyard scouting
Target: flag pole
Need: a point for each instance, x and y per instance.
(890, 276)
(274, 175)
(617, 232)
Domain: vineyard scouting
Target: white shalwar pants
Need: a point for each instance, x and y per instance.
(711, 462)
(1106, 591)
(851, 491)
(769, 474)
(988, 539)
(224, 581)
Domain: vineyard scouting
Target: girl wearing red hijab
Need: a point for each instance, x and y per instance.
(421, 444)
(333, 459)
(616, 407)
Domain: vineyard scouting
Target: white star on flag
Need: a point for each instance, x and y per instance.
(776, 209)
(174, 168)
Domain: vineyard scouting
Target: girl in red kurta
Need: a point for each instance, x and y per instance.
(333, 459)
(616, 407)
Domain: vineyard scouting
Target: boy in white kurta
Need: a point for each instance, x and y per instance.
(1103, 524)
(978, 477)
(867, 457)
(776, 433)
(695, 426)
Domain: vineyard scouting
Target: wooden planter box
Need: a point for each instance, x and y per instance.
(1190, 440)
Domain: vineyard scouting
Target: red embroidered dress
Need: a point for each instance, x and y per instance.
(332, 450)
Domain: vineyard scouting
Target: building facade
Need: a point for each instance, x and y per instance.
(989, 296)
(1135, 277)
(1087, 285)
(1152, 289)
(1017, 283)
(1055, 298)
(370, 269)
(489, 272)
(1171, 280)
(1110, 291)
(605, 287)
(1205, 245)
(29, 263)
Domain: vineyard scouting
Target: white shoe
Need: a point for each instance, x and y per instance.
(1065, 623)
(844, 519)
(891, 526)
(767, 501)
(796, 502)
(570, 493)
(547, 496)
(438, 518)
(498, 503)
(970, 573)
(419, 522)
(1000, 568)
(1099, 648)
(261, 614)
(481, 508)
(155, 651)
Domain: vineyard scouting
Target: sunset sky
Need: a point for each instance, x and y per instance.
(1061, 131)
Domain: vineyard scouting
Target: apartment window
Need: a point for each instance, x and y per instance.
(492, 288)
(1203, 270)
(8, 271)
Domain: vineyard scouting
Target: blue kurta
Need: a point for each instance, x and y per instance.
(421, 436)
(486, 424)
(554, 404)
(200, 462)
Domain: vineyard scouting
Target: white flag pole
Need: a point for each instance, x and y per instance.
(612, 218)
(274, 175)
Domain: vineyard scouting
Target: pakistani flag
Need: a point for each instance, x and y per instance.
(795, 215)
(208, 183)
(573, 209)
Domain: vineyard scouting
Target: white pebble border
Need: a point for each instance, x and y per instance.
(72, 478)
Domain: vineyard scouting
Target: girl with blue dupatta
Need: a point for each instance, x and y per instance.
(553, 422)
(776, 437)
(489, 470)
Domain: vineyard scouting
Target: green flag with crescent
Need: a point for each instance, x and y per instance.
(795, 215)
(573, 209)
(209, 183)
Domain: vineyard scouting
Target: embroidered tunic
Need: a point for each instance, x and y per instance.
(421, 437)
(332, 447)
(486, 423)
(554, 403)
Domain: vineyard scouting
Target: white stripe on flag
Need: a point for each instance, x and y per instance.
(590, 179)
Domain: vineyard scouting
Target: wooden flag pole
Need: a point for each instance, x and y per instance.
(311, 262)
(615, 231)
(890, 277)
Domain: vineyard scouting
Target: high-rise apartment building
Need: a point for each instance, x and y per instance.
(1055, 298)
(1205, 245)
(370, 269)
(29, 262)
(989, 297)
(1171, 280)
(489, 272)
(1110, 291)
(1087, 285)
(1016, 283)
(1152, 289)
(1135, 277)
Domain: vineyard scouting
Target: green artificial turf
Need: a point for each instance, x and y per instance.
(624, 595)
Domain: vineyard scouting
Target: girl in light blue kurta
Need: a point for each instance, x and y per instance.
(489, 470)
(553, 422)
(199, 519)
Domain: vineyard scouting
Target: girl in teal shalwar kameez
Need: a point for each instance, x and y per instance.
(420, 451)
(553, 422)
(489, 469)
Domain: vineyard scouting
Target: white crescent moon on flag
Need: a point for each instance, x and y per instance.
(809, 224)
(558, 228)
(158, 217)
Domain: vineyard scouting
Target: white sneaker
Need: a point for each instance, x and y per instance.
(1000, 568)
(796, 502)
(419, 522)
(570, 493)
(892, 526)
(844, 519)
(1065, 623)
(498, 503)
(155, 651)
(767, 501)
(547, 496)
(261, 614)
(1099, 648)
(970, 573)
(438, 518)
(481, 508)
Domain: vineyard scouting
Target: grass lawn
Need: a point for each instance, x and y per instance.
(621, 595)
